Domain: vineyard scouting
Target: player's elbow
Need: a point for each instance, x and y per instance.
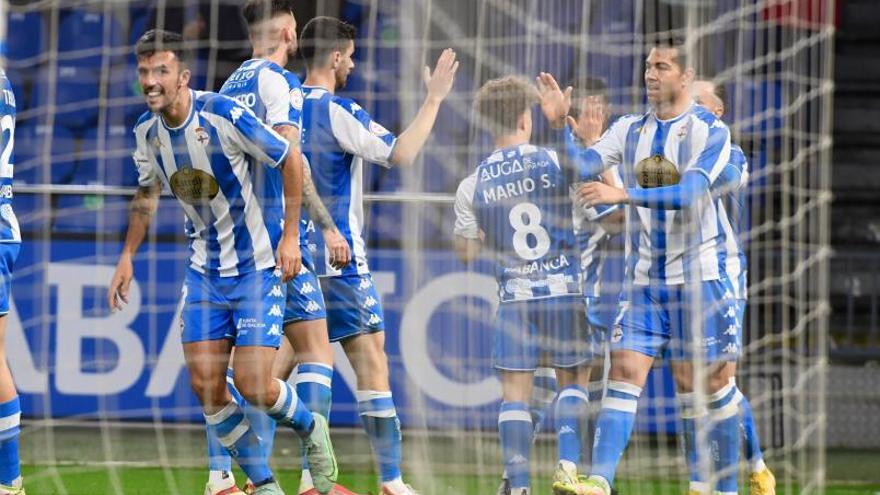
(402, 157)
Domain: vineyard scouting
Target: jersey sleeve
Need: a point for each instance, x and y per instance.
(147, 174)
(465, 217)
(712, 154)
(357, 133)
(246, 132)
(283, 98)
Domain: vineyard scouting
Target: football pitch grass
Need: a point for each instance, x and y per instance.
(125, 459)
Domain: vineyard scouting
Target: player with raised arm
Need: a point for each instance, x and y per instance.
(10, 245)
(339, 136)
(730, 190)
(518, 205)
(679, 293)
(598, 230)
(203, 146)
(274, 94)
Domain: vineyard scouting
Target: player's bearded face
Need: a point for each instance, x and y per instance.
(344, 65)
(664, 77)
(161, 78)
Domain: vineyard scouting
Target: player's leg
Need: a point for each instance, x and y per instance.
(305, 325)
(544, 390)
(692, 416)
(10, 408)
(640, 331)
(259, 298)
(207, 333)
(515, 428)
(761, 479)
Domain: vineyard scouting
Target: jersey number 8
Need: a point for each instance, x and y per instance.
(525, 218)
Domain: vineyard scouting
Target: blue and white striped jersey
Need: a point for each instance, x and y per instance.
(208, 164)
(730, 191)
(275, 96)
(9, 230)
(665, 246)
(592, 240)
(520, 199)
(338, 136)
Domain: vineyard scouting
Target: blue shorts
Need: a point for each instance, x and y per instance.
(659, 320)
(353, 306)
(8, 255)
(247, 308)
(554, 328)
(305, 301)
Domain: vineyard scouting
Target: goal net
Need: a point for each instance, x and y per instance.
(106, 394)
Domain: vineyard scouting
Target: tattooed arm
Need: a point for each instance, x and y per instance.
(141, 211)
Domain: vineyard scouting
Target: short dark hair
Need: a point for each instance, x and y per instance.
(159, 40)
(322, 36)
(583, 87)
(257, 11)
(721, 93)
(500, 102)
(679, 44)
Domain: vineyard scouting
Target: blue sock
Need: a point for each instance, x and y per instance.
(234, 432)
(544, 388)
(723, 407)
(313, 386)
(290, 411)
(10, 417)
(383, 428)
(571, 406)
(690, 415)
(262, 424)
(595, 390)
(751, 441)
(614, 427)
(516, 430)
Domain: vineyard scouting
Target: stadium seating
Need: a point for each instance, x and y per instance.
(30, 142)
(108, 162)
(84, 37)
(29, 41)
(76, 95)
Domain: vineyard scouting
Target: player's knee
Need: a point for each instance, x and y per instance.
(254, 388)
(210, 392)
(720, 377)
(683, 377)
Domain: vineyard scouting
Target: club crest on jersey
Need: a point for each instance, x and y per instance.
(657, 171)
(377, 129)
(194, 187)
(296, 99)
(202, 136)
(683, 132)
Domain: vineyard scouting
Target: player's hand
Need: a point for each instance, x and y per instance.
(555, 102)
(288, 258)
(439, 82)
(117, 294)
(591, 120)
(599, 193)
(337, 246)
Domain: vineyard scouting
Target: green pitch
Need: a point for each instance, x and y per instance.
(87, 458)
(74, 480)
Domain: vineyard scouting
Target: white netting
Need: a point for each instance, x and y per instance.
(106, 393)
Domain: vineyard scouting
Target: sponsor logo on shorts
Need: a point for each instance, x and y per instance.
(312, 306)
(275, 310)
(731, 312)
(276, 291)
(365, 284)
(249, 323)
(307, 288)
(369, 302)
(731, 330)
(374, 319)
(730, 348)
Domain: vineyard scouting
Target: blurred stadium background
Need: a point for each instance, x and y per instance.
(107, 402)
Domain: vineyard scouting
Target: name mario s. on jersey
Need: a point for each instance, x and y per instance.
(505, 190)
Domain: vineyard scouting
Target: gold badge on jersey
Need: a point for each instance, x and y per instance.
(656, 171)
(194, 187)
